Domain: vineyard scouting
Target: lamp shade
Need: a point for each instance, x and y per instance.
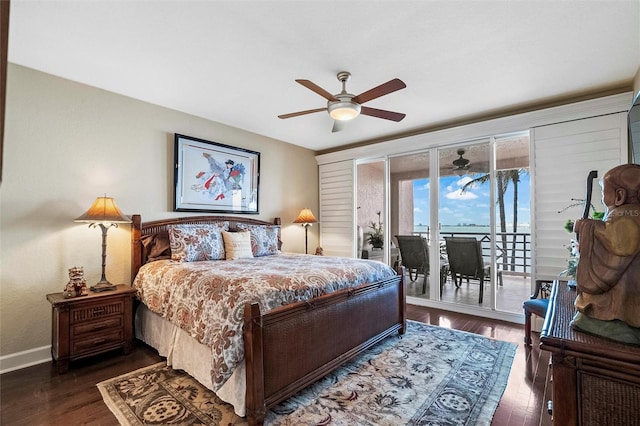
(305, 216)
(105, 210)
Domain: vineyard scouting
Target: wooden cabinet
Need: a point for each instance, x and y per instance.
(89, 325)
(595, 381)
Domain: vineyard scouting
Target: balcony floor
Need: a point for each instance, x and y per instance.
(509, 298)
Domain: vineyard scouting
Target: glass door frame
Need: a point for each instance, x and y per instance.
(434, 179)
(386, 204)
(434, 296)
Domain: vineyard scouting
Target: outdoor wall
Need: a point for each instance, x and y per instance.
(66, 144)
(402, 207)
(370, 193)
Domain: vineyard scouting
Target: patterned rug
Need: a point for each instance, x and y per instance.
(430, 376)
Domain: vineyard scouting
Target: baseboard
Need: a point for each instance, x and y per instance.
(24, 359)
(467, 309)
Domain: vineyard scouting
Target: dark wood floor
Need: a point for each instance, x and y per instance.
(524, 398)
(39, 396)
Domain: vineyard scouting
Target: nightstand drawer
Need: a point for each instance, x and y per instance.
(87, 313)
(96, 343)
(114, 323)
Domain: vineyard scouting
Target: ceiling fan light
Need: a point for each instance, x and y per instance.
(344, 110)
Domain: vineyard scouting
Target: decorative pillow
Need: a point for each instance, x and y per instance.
(237, 245)
(156, 246)
(264, 239)
(196, 242)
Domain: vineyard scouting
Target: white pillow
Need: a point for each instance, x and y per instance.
(237, 245)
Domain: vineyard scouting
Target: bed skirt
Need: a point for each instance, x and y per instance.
(185, 353)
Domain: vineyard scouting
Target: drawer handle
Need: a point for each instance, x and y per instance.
(98, 341)
(550, 407)
(97, 311)
(100, 326)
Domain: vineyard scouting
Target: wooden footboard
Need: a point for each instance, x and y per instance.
(291, 347)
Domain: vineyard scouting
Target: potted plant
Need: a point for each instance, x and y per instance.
(572, 263)
(375, 237)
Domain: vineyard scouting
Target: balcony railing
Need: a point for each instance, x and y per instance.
(513, 249)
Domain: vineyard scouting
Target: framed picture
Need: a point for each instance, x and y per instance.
(216, 178)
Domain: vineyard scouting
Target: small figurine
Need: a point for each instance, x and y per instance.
(319, 251)
(77, 285)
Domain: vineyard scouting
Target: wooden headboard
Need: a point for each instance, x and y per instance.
(139, 230)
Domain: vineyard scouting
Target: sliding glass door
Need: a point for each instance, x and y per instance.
(465, 228)
(513, 218)
(410, 201)
(467, 207)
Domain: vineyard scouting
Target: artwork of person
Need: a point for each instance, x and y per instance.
(221, 178)
(211, 183)
(608, 273)
(234, 174)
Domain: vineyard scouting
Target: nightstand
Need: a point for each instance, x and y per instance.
(89, 325)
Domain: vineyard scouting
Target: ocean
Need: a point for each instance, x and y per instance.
(484, 229)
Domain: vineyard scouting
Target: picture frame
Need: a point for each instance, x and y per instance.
(214, 177)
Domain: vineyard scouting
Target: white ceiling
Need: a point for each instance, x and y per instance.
(235, 62)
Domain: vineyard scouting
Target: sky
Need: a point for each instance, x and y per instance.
(472, 206)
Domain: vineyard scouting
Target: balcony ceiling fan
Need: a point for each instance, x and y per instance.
(344, 106)
(461, 165)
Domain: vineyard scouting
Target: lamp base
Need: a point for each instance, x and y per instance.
(102, 286)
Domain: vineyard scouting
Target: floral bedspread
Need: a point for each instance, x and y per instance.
(207, 298)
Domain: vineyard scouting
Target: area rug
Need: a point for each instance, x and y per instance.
(430, 376)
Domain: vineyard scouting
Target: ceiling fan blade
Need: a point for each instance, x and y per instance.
(319, 90)
(381, 113)
(338, 126)
(384, 89)
(296, 114)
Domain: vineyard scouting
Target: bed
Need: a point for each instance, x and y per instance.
(284, 347)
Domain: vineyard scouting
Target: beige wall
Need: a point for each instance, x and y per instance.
(67, 143)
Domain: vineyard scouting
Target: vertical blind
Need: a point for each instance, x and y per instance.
(337, 208)
(563, 156)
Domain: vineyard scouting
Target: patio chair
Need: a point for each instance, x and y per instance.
(465, 261)
(536, 304)
(414, 256)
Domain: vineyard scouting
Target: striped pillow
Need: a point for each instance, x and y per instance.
(237, 245)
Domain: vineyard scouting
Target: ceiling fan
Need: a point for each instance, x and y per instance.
(345, 106)
(461, 165)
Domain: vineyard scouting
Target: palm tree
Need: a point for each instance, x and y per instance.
(503, 178)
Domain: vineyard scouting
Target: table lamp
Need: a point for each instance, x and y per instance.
(305, 218)
(103, 213)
